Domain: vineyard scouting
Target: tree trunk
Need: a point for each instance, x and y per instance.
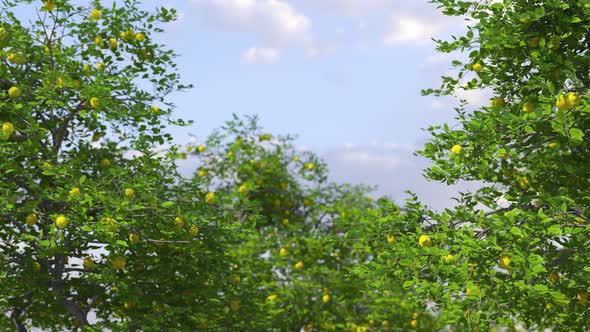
(16, 319)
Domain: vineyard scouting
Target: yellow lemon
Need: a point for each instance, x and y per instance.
(86, 69)
(299, 265)
(504, 262)
(7, 128)
(118, 263)
(98, 40)
(326, 298)
(13, 58)
(61, 222)
(448, 258)
(583, 297)
(243, 188)
(155, 109)
(105, 162)
(234, 279)
(14, 92)
(210, 198)
(456, 149)
(101, 66)
(573, 99)
(59, 82)
(234, 305)
(95, 14)
(128, 305)
(425, 241)
(477, 67)
(88, 263)
(140, 36)
(562, 103)
(524, 182)
(134, 238)
(49, 5)
(194, 230)
(94, 102)
(111, 223)
(201, 148)
(498, 102)
(528, 107)
(283, 252)
(128, 34)
(272, 298)
(129, 193)
(113, 42)
(178, 222)
(75, 191)
(31, 219)
(391, 239)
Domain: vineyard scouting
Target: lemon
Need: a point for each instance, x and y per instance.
(95, 14)
(425, 241)
(61, 222)
(456, 149)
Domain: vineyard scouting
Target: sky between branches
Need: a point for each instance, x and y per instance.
(344, 75)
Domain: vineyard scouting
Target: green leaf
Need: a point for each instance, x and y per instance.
(540, 288)
(408, 284)
(576, 135)
(168, 204)
(122, 243)
(515, 231)
(554, 230)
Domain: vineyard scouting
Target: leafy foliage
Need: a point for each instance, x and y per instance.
(99, 230)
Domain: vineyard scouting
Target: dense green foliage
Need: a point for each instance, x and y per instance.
(99, 230)
(530, 147)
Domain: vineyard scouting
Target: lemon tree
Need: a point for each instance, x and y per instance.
(514, 254)
(288, 266)
(97, 229)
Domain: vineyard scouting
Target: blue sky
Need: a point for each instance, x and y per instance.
(334, 72)
(343, 75)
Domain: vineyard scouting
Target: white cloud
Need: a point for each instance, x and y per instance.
(437, 104)
(365, 159)
(410, 29)
(266, 55)
(287, 24)
(394, 169)
(352, 7)
(274, 23)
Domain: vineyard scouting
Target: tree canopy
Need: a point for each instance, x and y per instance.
(100, 231)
